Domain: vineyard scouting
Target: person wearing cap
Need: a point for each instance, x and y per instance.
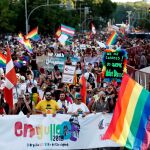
(78, 107)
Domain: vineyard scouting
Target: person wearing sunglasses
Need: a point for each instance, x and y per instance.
(48, 105)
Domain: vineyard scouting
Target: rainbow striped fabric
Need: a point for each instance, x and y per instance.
(27, 45)
(130, 125)
(112, 39)
(67, 30)
(25, 42)
(83, 93)
(33, 35)
(2, 61)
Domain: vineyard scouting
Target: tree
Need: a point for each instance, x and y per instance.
(6, 17)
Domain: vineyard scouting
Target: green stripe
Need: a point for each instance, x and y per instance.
(136, 118)
(2, 62)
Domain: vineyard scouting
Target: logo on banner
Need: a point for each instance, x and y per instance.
(101, 124)
(56, 132)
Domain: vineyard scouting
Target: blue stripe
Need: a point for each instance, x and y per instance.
(143, 123)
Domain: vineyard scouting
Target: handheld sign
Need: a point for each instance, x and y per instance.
(114, 64)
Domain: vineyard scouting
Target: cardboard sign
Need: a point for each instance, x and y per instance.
(66, 78)
(69, 69)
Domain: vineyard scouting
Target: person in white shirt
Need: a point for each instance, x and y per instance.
(30, 82)
(63, 103)
(78, 107)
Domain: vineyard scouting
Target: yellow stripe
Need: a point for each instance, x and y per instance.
(129, 114)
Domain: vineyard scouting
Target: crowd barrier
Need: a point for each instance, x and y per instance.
(141, 77)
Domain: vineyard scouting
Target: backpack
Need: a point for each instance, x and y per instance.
(91, 80)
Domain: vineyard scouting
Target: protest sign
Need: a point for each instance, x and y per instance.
(68, 69)
(114, 64)
(48, 133)
(68, 74)
(66, 78)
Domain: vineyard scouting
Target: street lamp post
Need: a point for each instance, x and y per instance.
(129, 17)
(27, 17)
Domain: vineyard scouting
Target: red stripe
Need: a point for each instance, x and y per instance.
(83, 89)
(8, 94)
(116, 115)
(11, 76)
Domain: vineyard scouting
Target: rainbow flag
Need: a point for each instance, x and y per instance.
(27, 45)
(2, 61)
(82, 82)
(20, 38)
(112, 39)
(33, 35)
(25, 42)
(130, 124)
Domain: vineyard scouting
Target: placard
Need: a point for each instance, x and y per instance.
(114, 64)
(68, 69)
(66, 78)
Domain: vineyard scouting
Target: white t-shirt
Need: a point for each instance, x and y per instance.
(74, 108)
(60, 103)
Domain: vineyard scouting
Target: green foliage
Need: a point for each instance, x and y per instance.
(48, 18)
(6, 17)
(139, 16)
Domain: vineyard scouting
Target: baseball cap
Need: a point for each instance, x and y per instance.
(78, 96)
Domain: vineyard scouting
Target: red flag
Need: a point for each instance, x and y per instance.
(83, 89)
(10, 79)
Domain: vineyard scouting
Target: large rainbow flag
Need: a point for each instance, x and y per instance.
(130, 124)
(112, 39)
(2, 61)
(33, 35)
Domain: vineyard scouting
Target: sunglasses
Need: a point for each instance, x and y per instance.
(48, 94)
(27, 95)
(79, 99)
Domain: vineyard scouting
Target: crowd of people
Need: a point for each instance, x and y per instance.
(41, 91)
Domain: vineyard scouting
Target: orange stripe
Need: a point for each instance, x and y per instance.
(110, 38)
(125, 101)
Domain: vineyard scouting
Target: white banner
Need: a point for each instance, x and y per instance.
(60, 132)
(92, 60)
